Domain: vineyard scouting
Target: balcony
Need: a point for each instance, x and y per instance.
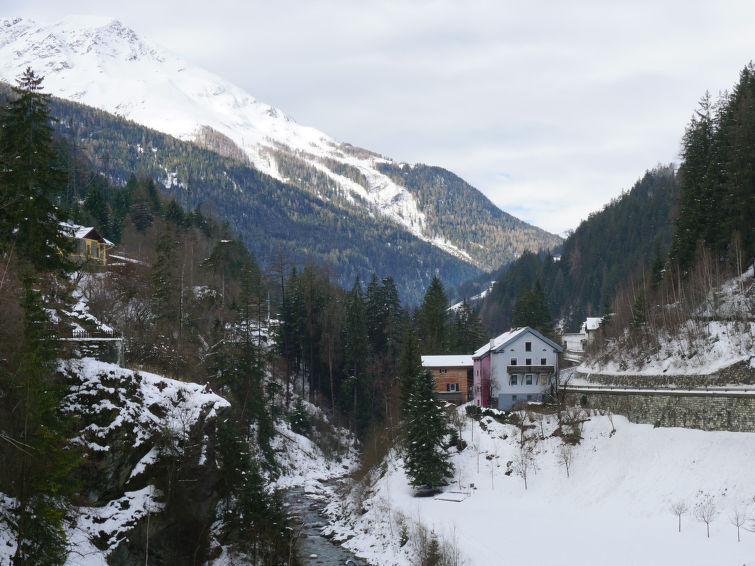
(530, 369)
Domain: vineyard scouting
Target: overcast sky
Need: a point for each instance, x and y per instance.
(549, 108)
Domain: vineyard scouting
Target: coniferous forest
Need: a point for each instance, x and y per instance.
(326, 320)
(662, 222)
(281, 220)
(193, 303)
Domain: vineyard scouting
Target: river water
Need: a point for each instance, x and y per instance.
(314, 548)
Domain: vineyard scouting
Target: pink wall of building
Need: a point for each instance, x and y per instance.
(482, 381)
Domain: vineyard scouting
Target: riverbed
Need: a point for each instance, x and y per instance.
(313, 548)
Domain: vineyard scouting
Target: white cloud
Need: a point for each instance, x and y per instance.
(574, 100)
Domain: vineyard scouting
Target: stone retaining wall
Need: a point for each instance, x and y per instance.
(706, 411)
(740, 373)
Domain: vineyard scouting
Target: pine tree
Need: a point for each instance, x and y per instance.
(425, 457)
(36, 464)
(467, 332)
(409, 366)
(434, 319)
(31, 183)
(696, 151)
(356, 351)
(531, 309)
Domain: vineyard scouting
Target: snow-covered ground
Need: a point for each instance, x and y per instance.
(721, 333)
(698, 350)
(615, 508)
(303, 462)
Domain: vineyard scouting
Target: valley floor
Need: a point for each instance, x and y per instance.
(614, 509)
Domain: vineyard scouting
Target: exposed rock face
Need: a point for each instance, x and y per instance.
(148, 446)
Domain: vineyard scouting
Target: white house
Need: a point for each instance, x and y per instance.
(591, 325)
(518, 365)
(575, 342)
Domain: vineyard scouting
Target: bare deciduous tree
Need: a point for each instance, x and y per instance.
(476, 447)
(738, 517)
(610, 420)
(706, 511)
(565, 455)
(540, 417)
(524, 462)
(679, 508)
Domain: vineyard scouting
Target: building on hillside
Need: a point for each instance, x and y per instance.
(590, 326)
(519, 365)
(574, 342)
(88, 243)
(453, 376)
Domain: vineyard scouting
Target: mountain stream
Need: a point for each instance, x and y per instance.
(314, 549)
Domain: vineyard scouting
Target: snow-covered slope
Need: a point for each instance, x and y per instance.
(720, 332)
(613, 509)
(101, 63)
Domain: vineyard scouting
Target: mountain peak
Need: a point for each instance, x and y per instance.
(102, 63)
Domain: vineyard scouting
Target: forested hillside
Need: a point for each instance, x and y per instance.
(461, 213)
(699, 291)
(668, 226)
(278, 222)
(624, 238)
(95, 436)
(717, 201)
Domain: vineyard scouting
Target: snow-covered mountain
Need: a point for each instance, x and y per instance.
(100, 62)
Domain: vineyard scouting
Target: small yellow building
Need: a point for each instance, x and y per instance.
(88, 243)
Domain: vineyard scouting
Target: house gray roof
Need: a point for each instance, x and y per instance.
(503, 340)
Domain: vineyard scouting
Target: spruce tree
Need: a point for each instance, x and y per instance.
(409, 366)
(434, 319)
(425, 458)
(696, 150)
(36, 464)
(531, 309)
(31, 182)
(356, 350)
(467, 332)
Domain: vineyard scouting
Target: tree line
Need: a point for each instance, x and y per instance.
(620, 240)
(713, 232)
(266, 214)
(189, 306)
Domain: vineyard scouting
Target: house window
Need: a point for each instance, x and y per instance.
(443, 370)
(513, 397)
(528, 361)
(528, 346)
(528, 379)
(514, 379)
(513, 361)
(452, 387)
(543, 361)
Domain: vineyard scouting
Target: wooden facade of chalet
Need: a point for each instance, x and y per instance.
(89, 245)
(453, 377)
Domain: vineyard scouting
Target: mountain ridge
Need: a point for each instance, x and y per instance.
(137, 80)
